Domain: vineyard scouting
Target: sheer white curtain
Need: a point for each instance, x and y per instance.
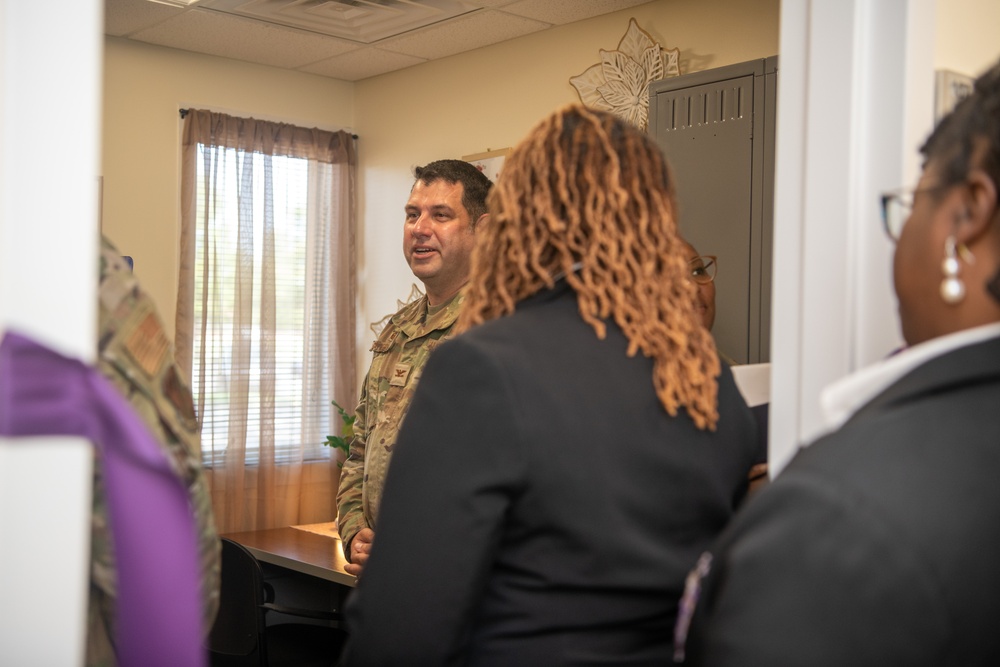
(266, 311)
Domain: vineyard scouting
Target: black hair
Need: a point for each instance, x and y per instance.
(972, 126)
(475, 184)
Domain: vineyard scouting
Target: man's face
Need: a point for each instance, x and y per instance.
(438, 238)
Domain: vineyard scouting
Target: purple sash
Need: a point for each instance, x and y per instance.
(156, 553)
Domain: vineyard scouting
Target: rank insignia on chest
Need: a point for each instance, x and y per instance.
(399, 375)
(147, 344)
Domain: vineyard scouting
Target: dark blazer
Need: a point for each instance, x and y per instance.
(877, 545)
(541, 507)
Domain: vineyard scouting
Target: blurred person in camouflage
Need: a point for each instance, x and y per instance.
(136, 356)
(447, 203)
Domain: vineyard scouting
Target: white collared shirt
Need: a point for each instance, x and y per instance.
(840, 400)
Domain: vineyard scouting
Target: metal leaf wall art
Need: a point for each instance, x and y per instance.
(620, 82)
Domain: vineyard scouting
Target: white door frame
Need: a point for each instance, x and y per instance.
(50, 91)
(855, 98)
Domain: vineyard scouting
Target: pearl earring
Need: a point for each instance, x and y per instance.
(952, 287)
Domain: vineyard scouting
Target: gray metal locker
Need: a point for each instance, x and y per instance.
(717, 130)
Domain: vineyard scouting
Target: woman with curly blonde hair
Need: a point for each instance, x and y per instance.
(569, 455)
(603, 217)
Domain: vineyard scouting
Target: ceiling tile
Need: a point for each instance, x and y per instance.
(219, 34)
(290, 33)
(561, 13)
(361, 64)
(124, 16)
(462, 34)
(491, 4)
(363, 22)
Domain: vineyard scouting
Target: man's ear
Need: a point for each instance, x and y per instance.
(980, 202)
(482, 220)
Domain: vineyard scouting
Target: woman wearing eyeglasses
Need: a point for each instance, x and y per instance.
(880, 543)
(703, 269)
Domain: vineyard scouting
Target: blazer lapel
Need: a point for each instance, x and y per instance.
(971, 364)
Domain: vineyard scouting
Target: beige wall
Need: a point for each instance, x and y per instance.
(485, 99)
(966, 40)
(490, 98)
(144, 88)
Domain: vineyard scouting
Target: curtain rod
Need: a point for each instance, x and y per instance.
(184, 112)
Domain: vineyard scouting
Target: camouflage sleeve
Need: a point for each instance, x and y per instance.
(136, 356)
(209, 546)
(350, 509)
(184, 454)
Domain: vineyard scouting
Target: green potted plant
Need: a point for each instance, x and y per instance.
(342, 441)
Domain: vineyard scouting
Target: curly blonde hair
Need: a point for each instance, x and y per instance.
(589, 197)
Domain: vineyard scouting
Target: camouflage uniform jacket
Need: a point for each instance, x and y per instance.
(399, 355)
(136, 356)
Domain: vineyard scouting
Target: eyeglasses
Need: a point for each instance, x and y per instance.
(897, 206)
(703, 269)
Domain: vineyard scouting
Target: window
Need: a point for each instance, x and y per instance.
(267, 287)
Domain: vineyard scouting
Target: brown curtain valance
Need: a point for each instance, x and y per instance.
(267, 137)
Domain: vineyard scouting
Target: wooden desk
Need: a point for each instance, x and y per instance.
(299, 550)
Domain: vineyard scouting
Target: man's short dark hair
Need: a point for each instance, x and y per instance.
(475, 185)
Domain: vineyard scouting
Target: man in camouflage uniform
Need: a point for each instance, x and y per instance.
(447, 202)
(136, 356)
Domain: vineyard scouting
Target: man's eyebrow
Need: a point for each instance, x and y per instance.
(434, 208)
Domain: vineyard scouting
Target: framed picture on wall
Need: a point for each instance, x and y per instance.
(490, 162)
(949, 89)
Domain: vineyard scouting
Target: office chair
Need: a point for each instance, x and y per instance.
(241, 637)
